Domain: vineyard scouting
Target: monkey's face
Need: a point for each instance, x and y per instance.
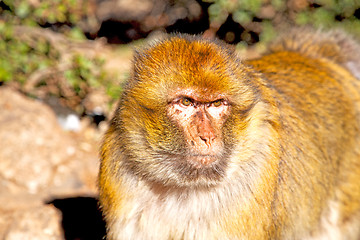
(200, 120)
(179, 112)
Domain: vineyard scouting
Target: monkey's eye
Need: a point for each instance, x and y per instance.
(217, 103)
(186, 101)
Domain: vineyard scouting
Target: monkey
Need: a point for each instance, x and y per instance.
(207, 145)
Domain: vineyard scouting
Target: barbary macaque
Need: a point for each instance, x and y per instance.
(205, 145)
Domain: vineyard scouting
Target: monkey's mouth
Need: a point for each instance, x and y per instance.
(193, 169)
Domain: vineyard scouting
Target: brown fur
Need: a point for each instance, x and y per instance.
(288, 161)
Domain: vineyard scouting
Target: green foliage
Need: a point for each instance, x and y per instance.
(39, 66)
(114, 90)
(19, 58)
(263, 16)
(42, 12)
(38, 63)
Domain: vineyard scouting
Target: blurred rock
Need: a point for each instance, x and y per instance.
(266, 12)
(36, 154)
(125, 10)
(42, 223)
(140, 10)
(124, 20)
(70, 122)
(297, 5)
(39, 161)
(96, 103)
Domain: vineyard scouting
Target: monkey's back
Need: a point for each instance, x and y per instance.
(319, 106)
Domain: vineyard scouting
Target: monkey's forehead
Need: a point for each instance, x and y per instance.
(206, 69)
(185, 50)
(189, 61)
(190, 42)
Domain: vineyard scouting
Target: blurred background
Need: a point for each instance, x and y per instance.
(63, 64)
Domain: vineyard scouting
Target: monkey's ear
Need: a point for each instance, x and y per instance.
(137, 58)
(142, 55)
(137, 64)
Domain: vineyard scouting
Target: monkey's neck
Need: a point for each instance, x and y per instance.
(185, 213)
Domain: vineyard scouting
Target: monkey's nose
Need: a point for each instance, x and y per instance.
(208, 138)
(206, 132)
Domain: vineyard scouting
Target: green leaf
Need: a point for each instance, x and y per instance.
(268, 32)
(251, 5)
(302, 18)
(23, 9)
(279, 5)
(323, 18)
(77, 34)
(5, 71)
(242, 17)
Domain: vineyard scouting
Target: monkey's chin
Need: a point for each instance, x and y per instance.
(199, 161)
(192, 170)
